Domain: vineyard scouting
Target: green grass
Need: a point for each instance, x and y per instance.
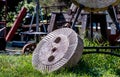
(89, 66)
(93, 65)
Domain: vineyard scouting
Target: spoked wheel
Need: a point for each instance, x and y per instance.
(28, 48)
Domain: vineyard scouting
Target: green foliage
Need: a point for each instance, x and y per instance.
(88, 42)
(12, 15)
(30, 6)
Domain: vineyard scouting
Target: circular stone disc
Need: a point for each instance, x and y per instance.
(96, 5)
(59, 48)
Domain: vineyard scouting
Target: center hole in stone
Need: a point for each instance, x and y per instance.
(51, 58)
(57, 40)
(54, 49)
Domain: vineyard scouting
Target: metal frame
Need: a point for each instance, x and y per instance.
(98, 50)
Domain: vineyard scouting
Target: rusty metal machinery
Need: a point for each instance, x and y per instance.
(105, 6)
(28, 48)
(96, 5)
(60, 48)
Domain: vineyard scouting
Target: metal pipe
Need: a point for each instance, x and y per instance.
(37, 20)
(37, 15)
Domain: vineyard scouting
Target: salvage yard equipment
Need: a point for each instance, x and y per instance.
(63, 47)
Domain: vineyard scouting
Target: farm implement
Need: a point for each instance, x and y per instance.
(62, 47)
(63, 44)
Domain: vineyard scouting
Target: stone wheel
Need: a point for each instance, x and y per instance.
(96, 5)
(59, 48)
(28, 48)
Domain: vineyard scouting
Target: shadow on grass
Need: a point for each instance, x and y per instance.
(118, 72)
(82, 68)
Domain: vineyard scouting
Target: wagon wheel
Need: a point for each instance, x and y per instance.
(60, 48)
(28, 48)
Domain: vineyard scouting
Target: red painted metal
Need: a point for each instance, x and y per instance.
(16, 24)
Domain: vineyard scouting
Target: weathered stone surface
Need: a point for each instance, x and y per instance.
(96, 5)
(59, 48)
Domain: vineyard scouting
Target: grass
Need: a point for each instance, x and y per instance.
(93, 65)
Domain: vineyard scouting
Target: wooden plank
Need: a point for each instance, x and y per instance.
(51, 27)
